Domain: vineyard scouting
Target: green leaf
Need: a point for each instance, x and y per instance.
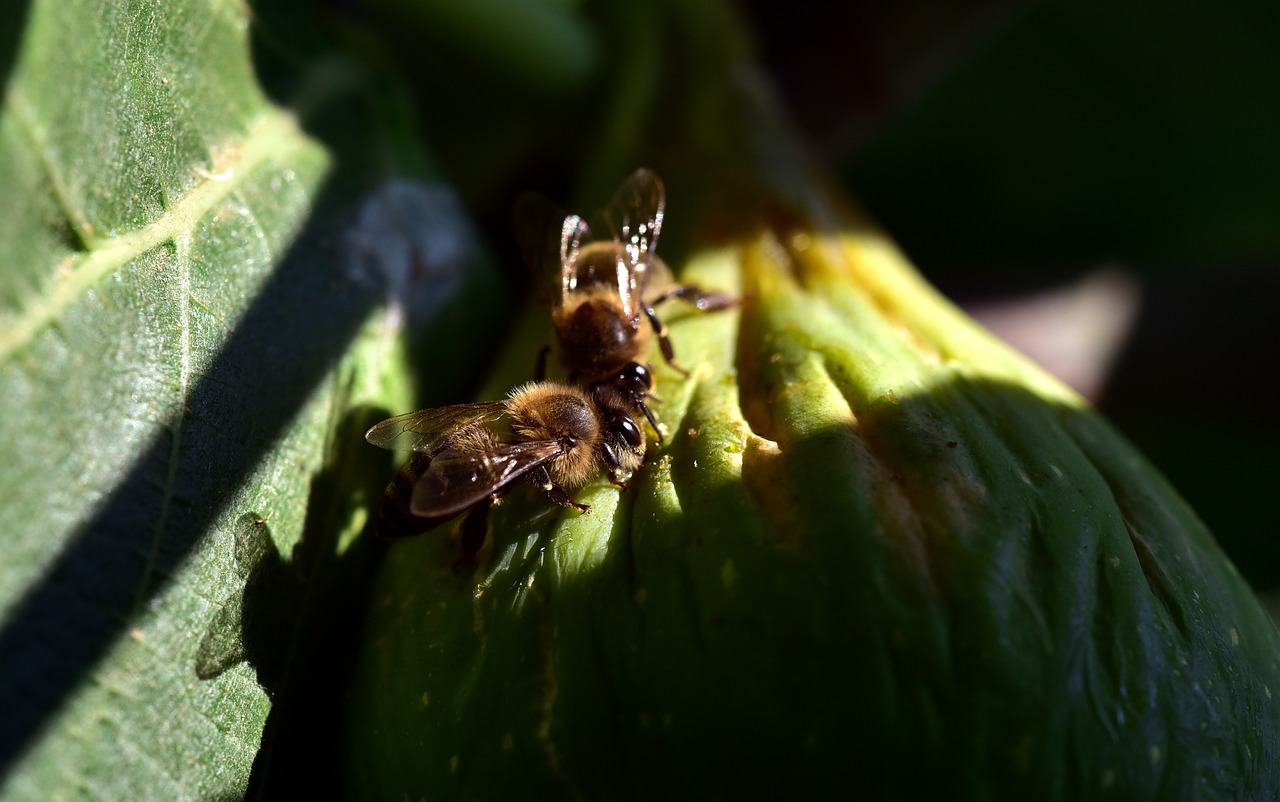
(191, 338)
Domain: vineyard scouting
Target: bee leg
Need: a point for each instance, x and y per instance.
(653, 421)
(705, 301)
(472, 532)
(610, 458)
(554, 491)
(709, 301)
(664, 342)
(540, 367)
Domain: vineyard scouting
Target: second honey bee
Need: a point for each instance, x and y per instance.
(597, 291)
(558, 436)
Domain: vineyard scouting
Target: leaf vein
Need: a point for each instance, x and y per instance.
(25, 117)
(274, 135)
(183, 247)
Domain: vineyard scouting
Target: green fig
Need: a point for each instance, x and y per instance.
(878, 554)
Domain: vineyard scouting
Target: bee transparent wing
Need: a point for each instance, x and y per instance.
(426, 429)
(453, 482)
(573, 231)
(549, 240)
(634, 217)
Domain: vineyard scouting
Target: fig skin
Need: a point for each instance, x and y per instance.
(879, 554)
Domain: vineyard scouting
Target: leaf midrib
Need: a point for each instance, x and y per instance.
(272, 135)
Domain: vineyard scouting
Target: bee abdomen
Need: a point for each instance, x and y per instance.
(596, 337)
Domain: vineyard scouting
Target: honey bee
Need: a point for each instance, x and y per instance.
(560, 436)
(597, 291)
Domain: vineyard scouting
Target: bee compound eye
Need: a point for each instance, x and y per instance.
(635, 379)
(630, 432)
(642, 376)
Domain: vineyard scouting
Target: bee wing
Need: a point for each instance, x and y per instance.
(549, 240)
(634, 217)
(426, 429)
(453, 482)
(573, 231)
